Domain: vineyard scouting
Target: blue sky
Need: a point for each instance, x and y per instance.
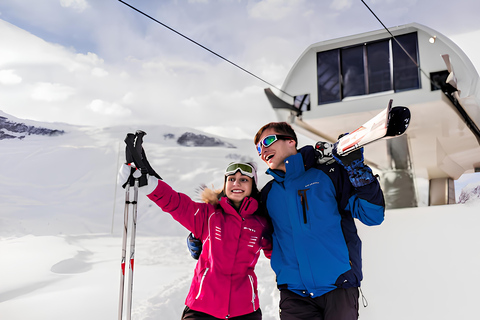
(101, 63)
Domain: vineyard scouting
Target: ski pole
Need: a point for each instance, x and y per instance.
(124, 250)
(132, 250)
(129, 140)
(137, 157)
(138, 177)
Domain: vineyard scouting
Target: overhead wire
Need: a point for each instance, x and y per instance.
(454, 99)
(400, 45)
(254, 75)
(203, 47)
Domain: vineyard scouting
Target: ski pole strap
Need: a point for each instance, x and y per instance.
(131, 179)
(139, 150)
(149, 167)
(134, 153)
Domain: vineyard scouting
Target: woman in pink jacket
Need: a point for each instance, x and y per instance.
(232, 229)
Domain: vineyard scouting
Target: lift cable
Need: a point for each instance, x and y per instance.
(202, 46)
(448, 92)
(404, 50)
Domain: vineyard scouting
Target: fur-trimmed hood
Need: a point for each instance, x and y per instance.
(210, 196)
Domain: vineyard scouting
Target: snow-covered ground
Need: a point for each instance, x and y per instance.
(61, 227)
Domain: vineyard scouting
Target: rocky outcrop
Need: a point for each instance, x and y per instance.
(15, 130)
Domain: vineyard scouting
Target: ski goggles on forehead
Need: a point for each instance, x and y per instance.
(245, 169)
(269, 140)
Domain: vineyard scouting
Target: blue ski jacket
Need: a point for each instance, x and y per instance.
(316, 248)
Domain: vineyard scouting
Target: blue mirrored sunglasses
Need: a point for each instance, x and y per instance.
(269, 140)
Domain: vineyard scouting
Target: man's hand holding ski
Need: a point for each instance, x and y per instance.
(358, 172)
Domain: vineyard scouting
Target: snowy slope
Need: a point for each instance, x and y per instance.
(60, 235)
(67, 183)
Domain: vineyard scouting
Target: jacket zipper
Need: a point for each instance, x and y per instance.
(201, 283)
(303, 200)
(253, 292)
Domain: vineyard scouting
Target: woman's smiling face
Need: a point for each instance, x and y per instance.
(237, 187)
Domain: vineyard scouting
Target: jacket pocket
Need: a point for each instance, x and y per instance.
(201, 283)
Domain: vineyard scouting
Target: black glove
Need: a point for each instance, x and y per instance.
(194, 246)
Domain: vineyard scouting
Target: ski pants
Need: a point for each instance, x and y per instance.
(197, 315)
(334, 305)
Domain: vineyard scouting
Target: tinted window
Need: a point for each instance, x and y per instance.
(405, 71)
(378, 57)
(368, 68)
(353, 71)
(328, 75)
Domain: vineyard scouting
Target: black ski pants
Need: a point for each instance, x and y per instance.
(197, 315)
(339, 304)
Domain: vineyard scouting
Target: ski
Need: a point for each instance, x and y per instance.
(389, 123)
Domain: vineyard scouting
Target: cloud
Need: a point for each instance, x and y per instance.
(341, 4)
(99, 72)
(128, 98)
(89, 58)
(77, 5)
(107, 108)
(9, 77)
(122, 68)
(274, 9)
(50, 92)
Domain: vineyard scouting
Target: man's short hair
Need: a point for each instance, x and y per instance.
(278, 127)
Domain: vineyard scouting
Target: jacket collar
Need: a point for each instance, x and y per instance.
(296, 164)
(248, 207)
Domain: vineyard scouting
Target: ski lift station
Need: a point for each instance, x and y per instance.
(337, 85)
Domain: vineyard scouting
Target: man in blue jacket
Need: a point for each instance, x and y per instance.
(316, 249)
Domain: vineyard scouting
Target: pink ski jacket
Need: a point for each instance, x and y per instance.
(224, 284)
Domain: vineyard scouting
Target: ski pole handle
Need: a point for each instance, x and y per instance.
(139, 151)
(129, 140)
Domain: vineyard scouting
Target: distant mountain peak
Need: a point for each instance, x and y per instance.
(190, 139)
(17, 130)
(470, 193)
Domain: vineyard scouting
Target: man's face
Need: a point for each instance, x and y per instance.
(275, 155)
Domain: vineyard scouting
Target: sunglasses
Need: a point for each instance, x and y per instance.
(269, 140)
(245, 169)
